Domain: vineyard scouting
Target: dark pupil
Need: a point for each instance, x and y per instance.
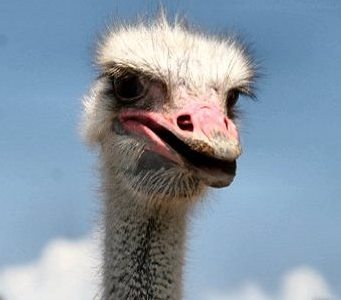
(129, 87)
(233, 97)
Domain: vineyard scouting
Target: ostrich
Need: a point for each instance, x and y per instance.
(162, 113)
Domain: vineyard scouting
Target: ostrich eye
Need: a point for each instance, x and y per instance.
(232, 97)
(128, 87)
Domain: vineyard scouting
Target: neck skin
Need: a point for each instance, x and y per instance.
(143, 249)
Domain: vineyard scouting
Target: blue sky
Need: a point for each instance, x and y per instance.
(283, 210)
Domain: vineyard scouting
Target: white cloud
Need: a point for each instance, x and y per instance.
(305, 284)
(70, 270)
(302, 283)
(65, 270)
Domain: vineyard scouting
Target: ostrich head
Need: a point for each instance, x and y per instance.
(162, 110)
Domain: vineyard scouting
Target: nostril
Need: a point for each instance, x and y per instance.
(185, 123)
(226, 123)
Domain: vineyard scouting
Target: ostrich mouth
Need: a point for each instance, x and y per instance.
(214, 171)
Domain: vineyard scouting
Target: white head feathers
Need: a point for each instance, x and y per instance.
(173, 52)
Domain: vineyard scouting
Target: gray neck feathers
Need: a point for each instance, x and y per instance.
(143, 249)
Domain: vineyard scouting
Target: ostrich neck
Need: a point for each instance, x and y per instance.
(143, 250)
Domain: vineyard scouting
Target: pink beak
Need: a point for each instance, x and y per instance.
(202, 126)
(199, 127)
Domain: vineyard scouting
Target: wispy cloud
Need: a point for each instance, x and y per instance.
(70, 270)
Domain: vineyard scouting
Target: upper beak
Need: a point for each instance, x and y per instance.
(207, 130)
